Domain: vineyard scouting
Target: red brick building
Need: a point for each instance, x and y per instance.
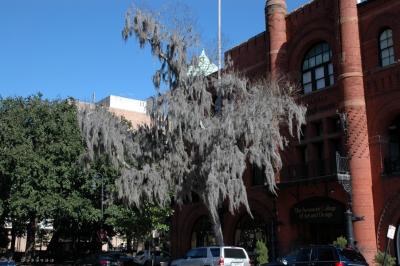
(345, 58)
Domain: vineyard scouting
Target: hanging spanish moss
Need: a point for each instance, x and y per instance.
(189, 147)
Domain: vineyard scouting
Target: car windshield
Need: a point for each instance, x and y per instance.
(234, 253)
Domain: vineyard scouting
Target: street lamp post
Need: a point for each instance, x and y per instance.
(101, 201)
(344, 177)
(95, 187)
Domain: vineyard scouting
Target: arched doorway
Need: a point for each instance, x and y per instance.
(202, 233)
(248, 230)
(319, 220)
(390, 215)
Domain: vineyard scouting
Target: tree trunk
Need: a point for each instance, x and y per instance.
(128, 242)
(53, 243)
(13, 238)
(217, 228)
(3, 233)
(218, 232)
(31, 234)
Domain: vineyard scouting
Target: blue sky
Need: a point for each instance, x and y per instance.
(74, 47)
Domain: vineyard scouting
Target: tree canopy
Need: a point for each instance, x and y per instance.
(39, 165)
(192, 144)
(42, 177)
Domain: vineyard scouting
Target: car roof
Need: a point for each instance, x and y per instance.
(217, 247)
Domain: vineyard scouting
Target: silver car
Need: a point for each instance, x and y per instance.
(214, 256)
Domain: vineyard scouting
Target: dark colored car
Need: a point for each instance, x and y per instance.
(322, 255)
(7, 262)
(98, 260)
(144, 257)
(122, 258)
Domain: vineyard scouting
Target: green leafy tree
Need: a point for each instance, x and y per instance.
(137, 224)
(39, 163)
(390, 260)
(262, 252)
(43, 177)
(340, 242)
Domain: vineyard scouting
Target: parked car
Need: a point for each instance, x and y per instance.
(144, 257)
(121, 257)
(214, 256)
(322, 255)
(7, 262)
(100, 259)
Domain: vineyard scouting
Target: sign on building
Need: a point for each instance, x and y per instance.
(391, 232)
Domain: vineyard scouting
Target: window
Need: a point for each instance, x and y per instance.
(258, 176)
(215, 252)
(334, 125)
(394, 138)
(317, 68)
(234, 253)
(392, 164)
(319, 129)
(323, 254)
(303, 255)
(202, 253)
(197, 253)
(386, 47)
(352, 255)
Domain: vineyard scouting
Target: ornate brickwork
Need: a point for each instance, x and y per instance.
(357, 133)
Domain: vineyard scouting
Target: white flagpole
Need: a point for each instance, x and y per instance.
(219, 41)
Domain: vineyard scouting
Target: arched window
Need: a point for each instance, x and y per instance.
(317, 68)
(386, 47)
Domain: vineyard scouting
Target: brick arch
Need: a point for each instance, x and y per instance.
(258, 206)
(188, 223)
(390, 215)
(375, 28)
(381, 22)
(261, 213)
(388, 111)
(308, 37)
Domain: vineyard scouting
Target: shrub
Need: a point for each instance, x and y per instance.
(340, 242)
(262, 252)
(390, 260)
